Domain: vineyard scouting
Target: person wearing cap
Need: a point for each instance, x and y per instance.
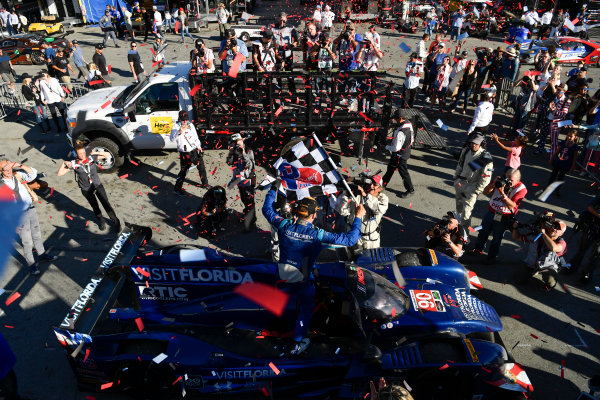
(371, 196)
(158, 58)
(473, 173)
(546, 24)
(212, 212)
(127, 21)
(241, 158)
(458, 19)
(190, 150)
(135, 63)
(158, 23)
(222, 19)
(100, 61)
(508, 75)
(203, 58)
(321, 59)
(448, 236)
(53, 96)
(577, 80)
(61, 68)
(532, 19)
(545, 248)
(310, 38)
(317, 16)
(49, 54)
(85, 168)
(300, 244)
(525, 102)
(29, 228)
(31, 92)
(229, 48)
(369, 54)
(286, 38)
(184, 25)
(402, 141)
(502, 208)
(106, 24)
(327, 18)
(79, 61)
(414, 72)
(465, 86)
(483, 116)
(264, 55)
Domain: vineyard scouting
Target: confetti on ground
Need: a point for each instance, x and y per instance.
(272, 299)
(12, 298)
(103, 106)
(533, 336)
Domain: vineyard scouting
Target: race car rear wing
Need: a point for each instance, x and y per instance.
(104, 287)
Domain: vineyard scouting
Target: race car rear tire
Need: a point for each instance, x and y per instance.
(37, 57)
(394, 392)
(105, 144)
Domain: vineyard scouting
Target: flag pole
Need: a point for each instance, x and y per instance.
(335, 168)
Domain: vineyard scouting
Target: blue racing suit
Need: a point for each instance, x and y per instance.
(300, 245)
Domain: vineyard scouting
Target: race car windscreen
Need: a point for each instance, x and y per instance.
(380, 299)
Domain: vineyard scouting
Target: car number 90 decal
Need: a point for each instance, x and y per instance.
(427, 300)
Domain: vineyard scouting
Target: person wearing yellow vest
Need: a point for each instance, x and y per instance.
(506, 193)
(29, 229)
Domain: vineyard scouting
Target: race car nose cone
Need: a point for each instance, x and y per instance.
(474, 281)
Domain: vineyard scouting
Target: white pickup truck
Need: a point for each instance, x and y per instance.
(127, 118)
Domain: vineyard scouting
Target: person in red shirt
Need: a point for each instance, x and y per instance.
(506, 193)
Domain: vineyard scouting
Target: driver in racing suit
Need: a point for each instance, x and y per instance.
(300, 245)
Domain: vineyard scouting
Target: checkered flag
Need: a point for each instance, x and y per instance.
(306, 170)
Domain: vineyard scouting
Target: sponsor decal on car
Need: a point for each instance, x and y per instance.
(172, 293)
(472, 351)
(471, 308)
(246, 373)
(427, 300)
(114, 251)
(178, 274)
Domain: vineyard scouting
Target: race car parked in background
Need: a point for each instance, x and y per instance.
(194, 320)
(570, 50)
(26, 48)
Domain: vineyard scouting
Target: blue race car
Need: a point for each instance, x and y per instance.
(569, 50)
(159, 324)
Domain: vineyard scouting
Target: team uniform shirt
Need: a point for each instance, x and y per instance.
(317, 16)
(300, 243)
(106, 23)
(266, 55)
(532, 18)
(423, 49)
(403, 138)
(474, 168)
(20, 192)
(202, 66)
(230, 56)
(414, 71)
(546, 18)
(51, 92)
(483, 115)
(324, 60)
(368, 60)
(188, 139)
(458, 236)
(285, 37)
(86, 173)
(516, 194)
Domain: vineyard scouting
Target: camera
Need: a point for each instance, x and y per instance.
(543, 220)
(442, 227)
(502, 181)
(201, 53)
(231, 43)
(346, 34)
(588, 224)
(364, 181)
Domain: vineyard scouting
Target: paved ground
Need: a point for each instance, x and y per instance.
(543, 328)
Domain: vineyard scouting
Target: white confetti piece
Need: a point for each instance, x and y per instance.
(159, 358)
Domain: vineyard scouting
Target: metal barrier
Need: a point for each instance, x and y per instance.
(12, 99)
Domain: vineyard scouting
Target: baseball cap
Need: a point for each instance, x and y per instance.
(377, 179)
(230, 33)
(464, 54)
(236, 136)
(414, 55)
(267, 34)
(198, 42)
(307, 206)
(183, 115)
(99, 46)
(441, 45)
(75, 41)
(477, 139)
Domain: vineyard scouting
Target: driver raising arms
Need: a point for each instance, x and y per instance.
(300, 245)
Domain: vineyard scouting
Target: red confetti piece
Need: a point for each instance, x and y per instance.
(12, 298)
(105, 104)
(139, 323)
(592, 164)
(194, 90)
(109, 68)
(87, 354)
(97, 82)
(85, 259)
(444, 366)
(272, 299)
(274, 368)
(19, 112)
(133, 162)
(9, 326)
(533, 336)
(235, 66)
(279, 110)
(106, 386)
(124, 176)
(68, 216)
(471, 229)
(410, 205)
(562, 369)
(516, 316)
(176, 380)
(534, 184)
(142, 271)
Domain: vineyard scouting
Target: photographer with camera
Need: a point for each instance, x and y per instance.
(369, 54)
(413, 71)
(368, 192)
(264, 55)
(589, 225)
(286, 38)
(241, 159)
(212, 212)
(310, 38)
(448, 236)
(190, 150)
(202, 58)
(229, 49)
(543, 256)
(473, 173)
(402, 141)
(347, 44)
(506, 193)
(321, 59)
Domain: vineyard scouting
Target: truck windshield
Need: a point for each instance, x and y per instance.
(129, 93)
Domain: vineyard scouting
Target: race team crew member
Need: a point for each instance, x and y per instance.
(212, 212)
(473, 173)
(402, 141)
(300, 245)
(376, 204)
(503, 206)
(450, 241)
(241, 158)
(543, 253)
(483, 116)
(190, 150)
(29, 229)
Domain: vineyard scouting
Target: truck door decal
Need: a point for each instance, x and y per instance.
(161, 125)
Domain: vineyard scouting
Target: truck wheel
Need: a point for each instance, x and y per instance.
(245, 36)
(394, 392)
(115, 160)
(37, 57)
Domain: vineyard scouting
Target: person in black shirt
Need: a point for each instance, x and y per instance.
(61, 68)
(100, 62)
(86, 175)
(448, 236)
(31, 92)
(148, 21)
(212, 212)
(135, 63)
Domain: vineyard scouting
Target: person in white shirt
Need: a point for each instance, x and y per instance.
(159, 51)
(423, 49)
(375, 35)
(369, 54)
(128, 26)
(546, 24)
(439, 86)
(317, 17)
(483, 116)
(13, 21)
(532, 19)
(158, 20)
(222, 18)
(29, 229)
(414, 72)
(4, 18)
(53, 96)
(402, 141)
(327, 18)
(190, 150)
(23, 23)
(203, 58)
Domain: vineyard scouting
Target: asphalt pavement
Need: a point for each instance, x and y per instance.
(554, 334)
